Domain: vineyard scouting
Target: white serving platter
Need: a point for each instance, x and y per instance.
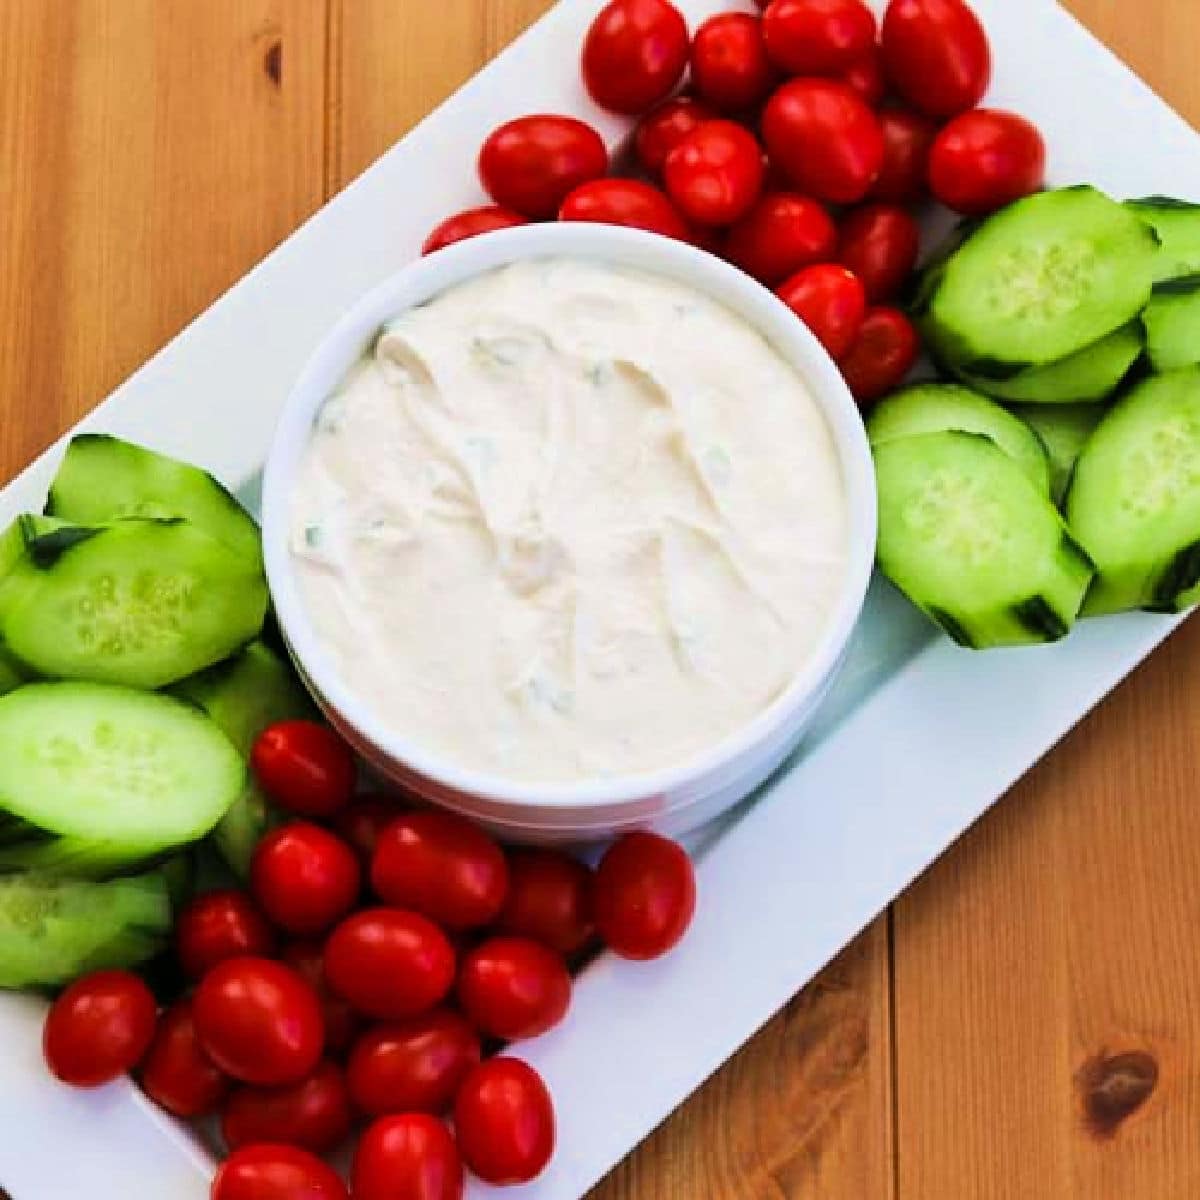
(918, 741)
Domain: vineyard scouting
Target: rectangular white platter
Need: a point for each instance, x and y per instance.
(918, 741)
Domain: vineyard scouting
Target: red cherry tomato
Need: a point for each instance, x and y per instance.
(645, 895)
(715, 174)
(361, 822)
(882, 355)
(412, 1066)
(986, 159)
(907, 140)
(879, 244)
(304, 767)
(504, 1119)
(389, 963)
(304, 877)
(625, 202)
(660, 131)
(469, 224)
(549, 900)
(307, 959)
(634, 54)
(411, 1156)
(730, 67)
(313, 1114)
(99, 1028)
(781, 234)
(176, 1073)
(275, 1172)
(825, 138)
(936, 55)
(220, 925)
(530, 164)
(513, 988)
(865, 76)
(259, 1021)
(817, 37)
(831, 301)
(440, 864)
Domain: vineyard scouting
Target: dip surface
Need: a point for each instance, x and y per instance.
(569, 521)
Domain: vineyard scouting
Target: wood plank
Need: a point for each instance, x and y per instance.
(1047, 985)
(805, 1110)
(150, 153)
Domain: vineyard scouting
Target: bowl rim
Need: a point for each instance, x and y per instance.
(424, 279)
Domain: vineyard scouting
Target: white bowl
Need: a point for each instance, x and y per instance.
(674, 798)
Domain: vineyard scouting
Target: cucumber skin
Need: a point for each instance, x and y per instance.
(53, 931)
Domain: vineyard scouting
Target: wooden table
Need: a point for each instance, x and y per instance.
(1024, 1024)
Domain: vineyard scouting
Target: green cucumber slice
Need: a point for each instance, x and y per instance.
(938, 407)
(1134, 501)
(96, 779)
(967, 537)
(104, 478)
(1064, 429)
(1172, 321)
(54, 930)
(1038, 281)
(1177, 225)
(139, 602)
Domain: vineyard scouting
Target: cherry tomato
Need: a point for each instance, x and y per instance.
(220, 925)
(830, 300)
(645, 895)
(99, 1028)
(307, 959)
(513, 988)
(176, 1073)
(730, 67)
(259, 1021)
(411, 1156)
(986, 159)
(907, 140)
(275, 1172)
(412, 1066)
(304, 877)
(440, 864)
(530, 164)
(882, 355)
(783, 232)
(660, 131)
(625, 202)
(715, 174)
(469, 224)
(549, 900)
(817, 37)
(634, 54)
(304, 767)
(504, 1119)
(936, 55)
(825, 138)
(879, 243)
(362, 821)
(389, 963)
(865, 76)
(313, 1114)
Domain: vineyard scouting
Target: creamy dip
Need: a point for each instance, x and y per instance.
(567, 521)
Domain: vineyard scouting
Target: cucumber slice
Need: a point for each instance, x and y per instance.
(1064, 429)
(54, 930)
(1134, 501)
(1040, 280)
(1090, 374)
(1177, 225)
(179, 874)
(96, 779)
(967, 537)
(1172, 320)
(104, 478)
(938, 407)
(139, 602)
(243, 696)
